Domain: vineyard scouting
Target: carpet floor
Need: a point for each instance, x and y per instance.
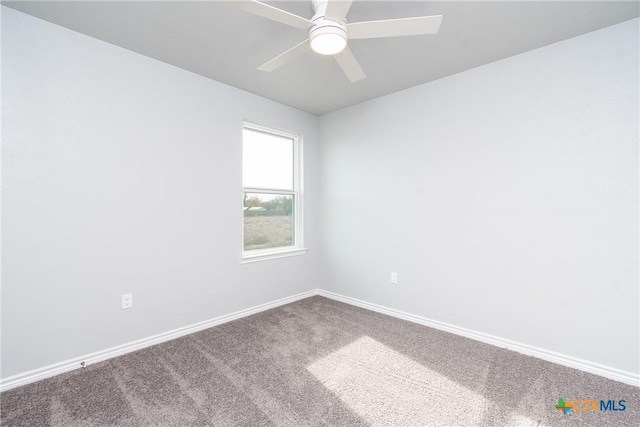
(318, 362)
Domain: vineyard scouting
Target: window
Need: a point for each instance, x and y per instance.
(272, 196)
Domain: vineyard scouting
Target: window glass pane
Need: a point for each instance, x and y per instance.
(268, 221)
(267, 160)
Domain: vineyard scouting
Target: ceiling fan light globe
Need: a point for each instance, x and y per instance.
(328, 37)
(328, 44)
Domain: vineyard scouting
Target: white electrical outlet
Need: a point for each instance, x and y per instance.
(127, 301)
(394, 278)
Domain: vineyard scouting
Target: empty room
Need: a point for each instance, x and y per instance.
(320, 213)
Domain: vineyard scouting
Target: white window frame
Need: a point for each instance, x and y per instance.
(298, 217)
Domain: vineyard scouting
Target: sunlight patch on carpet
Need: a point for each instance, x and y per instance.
(384, 387)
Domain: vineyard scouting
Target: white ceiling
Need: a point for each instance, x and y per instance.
(218, 40)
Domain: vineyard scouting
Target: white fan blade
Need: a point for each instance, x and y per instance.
(275, 14)
(337, 9)
(287, 56)
(350, 65)
(394, 27)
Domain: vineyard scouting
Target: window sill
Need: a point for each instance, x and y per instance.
(265, 256)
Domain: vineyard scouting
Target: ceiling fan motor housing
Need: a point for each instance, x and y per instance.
(327, 36)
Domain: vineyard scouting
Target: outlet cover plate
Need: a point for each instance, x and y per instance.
(127, 301)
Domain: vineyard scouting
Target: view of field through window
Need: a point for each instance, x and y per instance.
(268, 221)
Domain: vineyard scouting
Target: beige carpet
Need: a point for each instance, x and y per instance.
(318, 362)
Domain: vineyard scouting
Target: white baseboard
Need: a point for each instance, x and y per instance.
(77, 363)
(550, 356)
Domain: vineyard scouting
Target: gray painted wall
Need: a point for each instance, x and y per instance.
(505, 197)
(121, 174)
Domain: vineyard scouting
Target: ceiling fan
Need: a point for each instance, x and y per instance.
(329, 31)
